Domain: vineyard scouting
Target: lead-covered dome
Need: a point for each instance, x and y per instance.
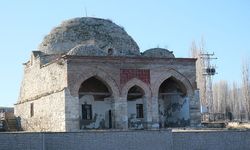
(102, 33)
(158, 52)
(86, 50)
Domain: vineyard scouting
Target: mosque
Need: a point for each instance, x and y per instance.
(89, 74)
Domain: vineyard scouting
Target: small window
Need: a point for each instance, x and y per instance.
(86, 112)
(139, 110)
(31, 109)
(110, 51)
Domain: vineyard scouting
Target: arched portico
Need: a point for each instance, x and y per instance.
(95, 104)
(102, 100)
(136, 82)
(77, 79)
(138, 97)
(172, 95)
(178, 76)
(173, 104)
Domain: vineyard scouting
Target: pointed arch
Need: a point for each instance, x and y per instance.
(176, 75)
(75, 82)
(137, 82)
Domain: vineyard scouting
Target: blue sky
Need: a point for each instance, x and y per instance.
(224, 24)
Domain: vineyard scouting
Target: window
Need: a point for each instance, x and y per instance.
(139, 110)
(31, 109)
(86, 112)
(110, 51)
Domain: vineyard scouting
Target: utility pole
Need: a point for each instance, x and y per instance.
(208, 72)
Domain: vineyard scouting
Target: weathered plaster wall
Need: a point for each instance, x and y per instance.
(100, 109)
(133, 122)
(49, 113)
(174, 111)
(132, 107)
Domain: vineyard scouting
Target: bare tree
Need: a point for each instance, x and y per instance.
(195, 52)
(246, 88)
(221, 97)
(216, 106)
(230, 100)
(235, 101)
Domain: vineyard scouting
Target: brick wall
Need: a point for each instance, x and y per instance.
(128, 74)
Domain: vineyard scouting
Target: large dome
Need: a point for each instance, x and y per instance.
(102, 33)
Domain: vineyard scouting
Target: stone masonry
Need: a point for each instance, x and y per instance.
(124, 140)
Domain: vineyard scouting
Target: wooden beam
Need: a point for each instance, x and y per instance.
(95, 93)
(135, 94)
(171, 93)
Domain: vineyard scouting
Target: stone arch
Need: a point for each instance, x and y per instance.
(99, 74)
(137, 82)
(175, 74)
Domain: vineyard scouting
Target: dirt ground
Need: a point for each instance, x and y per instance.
(238, 125)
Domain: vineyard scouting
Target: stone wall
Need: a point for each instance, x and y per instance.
(124, 140)
(22, 141)
(39, 81)
(211, 140)
(97, 140)
(48, 113)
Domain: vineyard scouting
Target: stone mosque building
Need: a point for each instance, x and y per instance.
(88, 73)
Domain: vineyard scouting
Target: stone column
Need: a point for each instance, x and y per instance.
(72, 112)
(147, 112)
(195, 115)
(155, 112)
(120, 113)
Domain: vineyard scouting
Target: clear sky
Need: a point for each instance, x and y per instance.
(172, 24)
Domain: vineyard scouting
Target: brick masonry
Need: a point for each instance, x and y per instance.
(128, 74)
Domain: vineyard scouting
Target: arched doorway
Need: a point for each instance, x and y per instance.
(136, 110)
(173, 104)
(95, 104)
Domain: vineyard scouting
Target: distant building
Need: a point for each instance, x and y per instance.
(88, 73)
(6, 109)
